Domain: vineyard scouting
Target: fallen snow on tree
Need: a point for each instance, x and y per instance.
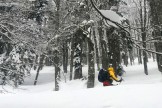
(10, 4)
(112, 16)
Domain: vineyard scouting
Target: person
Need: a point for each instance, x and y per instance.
(109, 81)
(120, 70)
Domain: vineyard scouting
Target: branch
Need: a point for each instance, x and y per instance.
(117, 24)
(147, 50)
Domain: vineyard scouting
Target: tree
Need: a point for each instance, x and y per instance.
(91, 68)
(78, 37)
(56, 58)
(141, 22)
(111, 50)
(96, 48)
(17, 34)
(144, 35)
(155, 6)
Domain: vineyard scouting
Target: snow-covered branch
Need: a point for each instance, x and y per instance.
(103, 14)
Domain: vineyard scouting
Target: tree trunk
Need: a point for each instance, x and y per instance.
(56, 58)
(65, 57)
(71, 58)
(131, 57)
(42, 57)
(57, 77)
(57, 71)
(140, 56)
(114, 50)
(159, 57)
(79, 36)
(91, 69)
(104, 58)
(96, 50)
(143, 34)
(125, 58)
(144, 53)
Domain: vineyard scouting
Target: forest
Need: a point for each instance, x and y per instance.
(71, 34)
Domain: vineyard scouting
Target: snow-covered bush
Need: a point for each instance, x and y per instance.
(15, 67)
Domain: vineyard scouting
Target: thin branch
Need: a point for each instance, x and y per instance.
(147, 50)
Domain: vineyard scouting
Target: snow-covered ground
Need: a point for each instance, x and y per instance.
(136, 91)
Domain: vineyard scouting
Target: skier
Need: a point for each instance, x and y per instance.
(112, 77)
(120, 70)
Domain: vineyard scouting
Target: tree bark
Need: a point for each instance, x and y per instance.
(96, 50)
(143, 33)
(103, 46)
(57, 71)
(71, 57)
(79, 36)
(65, 57)
(42, 57)
(56, 58)
(91, 69)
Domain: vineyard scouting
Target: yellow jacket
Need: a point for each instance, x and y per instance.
(112, 73)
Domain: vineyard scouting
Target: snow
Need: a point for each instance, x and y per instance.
(112, 16)
(136, 91)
